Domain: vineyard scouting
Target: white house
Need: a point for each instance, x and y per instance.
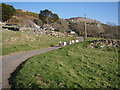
(71, 32)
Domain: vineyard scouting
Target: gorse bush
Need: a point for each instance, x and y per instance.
(7, 12)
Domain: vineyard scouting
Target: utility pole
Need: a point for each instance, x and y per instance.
(85, 28)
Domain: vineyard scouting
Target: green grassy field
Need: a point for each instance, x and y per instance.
(17, 41)
(73, 66)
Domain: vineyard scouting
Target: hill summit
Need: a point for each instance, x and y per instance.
(80, 19)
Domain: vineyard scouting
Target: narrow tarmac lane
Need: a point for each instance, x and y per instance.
(11, 62)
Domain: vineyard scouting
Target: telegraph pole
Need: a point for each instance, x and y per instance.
(85, 28)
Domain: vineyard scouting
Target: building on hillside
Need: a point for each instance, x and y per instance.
(2, 23)
(71, 32)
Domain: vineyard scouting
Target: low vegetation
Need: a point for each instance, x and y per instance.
(19, 12)
(73, 66)
(17, 41)
(7, 11)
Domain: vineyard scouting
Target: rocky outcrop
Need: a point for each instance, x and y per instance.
(104, 43)
(43, 31)
(61, 25)
(87, 20)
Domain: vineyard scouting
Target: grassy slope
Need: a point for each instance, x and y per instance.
(17, 41)
(74, 66)
(20, 15)
(19, 12)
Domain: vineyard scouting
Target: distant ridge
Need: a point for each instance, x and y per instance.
(79, 19)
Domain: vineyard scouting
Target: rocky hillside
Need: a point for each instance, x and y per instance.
(23, 18)
(95, 28)
(82, 19)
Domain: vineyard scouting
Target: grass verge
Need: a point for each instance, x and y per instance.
(17, 41)
(73, 66)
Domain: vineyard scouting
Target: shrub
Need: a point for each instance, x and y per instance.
(7, 12)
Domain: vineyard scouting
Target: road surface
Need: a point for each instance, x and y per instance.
(12, 61)
(9, 63)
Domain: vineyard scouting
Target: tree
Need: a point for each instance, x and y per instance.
(56, 17)
(47, 16)
(7, 12)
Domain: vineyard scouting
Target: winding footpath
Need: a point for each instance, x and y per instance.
(12, 61)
